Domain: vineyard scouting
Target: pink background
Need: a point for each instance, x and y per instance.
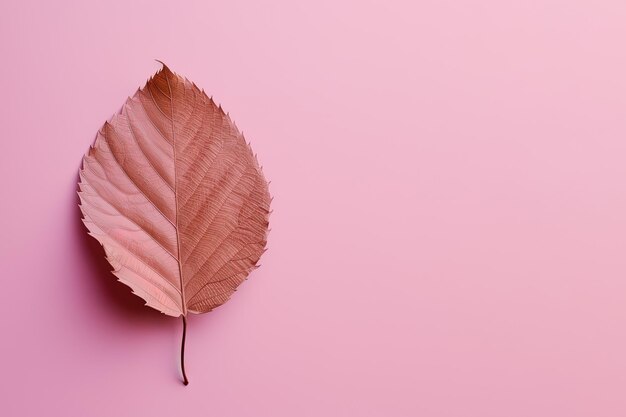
(449, 219)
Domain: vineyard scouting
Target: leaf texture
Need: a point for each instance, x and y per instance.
(176, 197)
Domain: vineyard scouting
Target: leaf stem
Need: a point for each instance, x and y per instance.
(182, 352)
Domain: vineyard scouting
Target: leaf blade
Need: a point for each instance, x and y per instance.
(176, 197)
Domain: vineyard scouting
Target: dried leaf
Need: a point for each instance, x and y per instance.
(174, 194)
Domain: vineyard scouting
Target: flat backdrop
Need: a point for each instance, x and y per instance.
(449, 227)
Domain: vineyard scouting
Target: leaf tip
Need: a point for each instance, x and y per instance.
(165, 67)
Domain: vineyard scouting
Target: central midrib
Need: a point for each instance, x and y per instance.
(180, 266)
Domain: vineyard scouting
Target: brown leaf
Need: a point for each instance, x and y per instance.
(174, 194)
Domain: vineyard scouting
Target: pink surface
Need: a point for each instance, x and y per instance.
(449, 220)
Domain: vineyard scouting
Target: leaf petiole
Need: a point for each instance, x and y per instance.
(182, 352)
